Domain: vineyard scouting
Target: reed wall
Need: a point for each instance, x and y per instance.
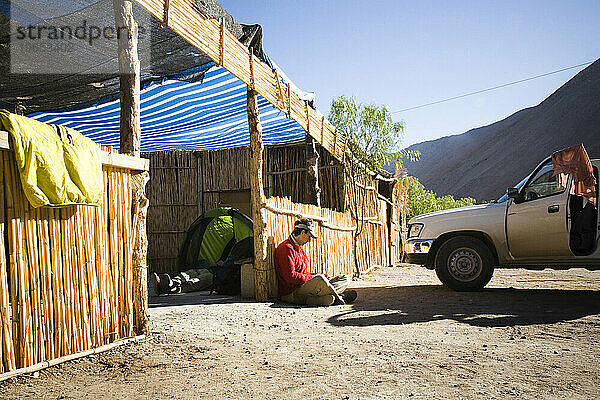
(65, 273)
(173, 195)
(399, 229)
(364, 204)
(184, 184)
(332, 253)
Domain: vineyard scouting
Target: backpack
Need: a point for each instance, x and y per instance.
(226, 279)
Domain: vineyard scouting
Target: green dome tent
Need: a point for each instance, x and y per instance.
(214, 236)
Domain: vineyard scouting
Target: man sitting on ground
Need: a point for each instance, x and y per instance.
(299, 286)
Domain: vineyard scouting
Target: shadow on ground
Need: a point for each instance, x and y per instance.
(195, 298)
(488, 308)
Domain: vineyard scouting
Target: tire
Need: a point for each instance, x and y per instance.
(464, 263)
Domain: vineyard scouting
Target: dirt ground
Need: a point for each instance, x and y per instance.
(529, 334)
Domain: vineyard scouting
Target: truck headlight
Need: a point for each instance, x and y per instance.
(414, 230)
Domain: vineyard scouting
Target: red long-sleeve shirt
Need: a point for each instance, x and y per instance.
(291, 264)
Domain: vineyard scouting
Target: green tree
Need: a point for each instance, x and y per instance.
(373, 140)
(373, 137)
(423, 201)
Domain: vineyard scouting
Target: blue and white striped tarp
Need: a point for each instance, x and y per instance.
(177, 115)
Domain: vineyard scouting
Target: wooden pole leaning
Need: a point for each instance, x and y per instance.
(289, 100)
(312, 190)
(166, 13)
(262, 286)
(129, 72)
(221, 42)
(280, 100)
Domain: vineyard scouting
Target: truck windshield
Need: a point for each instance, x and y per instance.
(518, 186)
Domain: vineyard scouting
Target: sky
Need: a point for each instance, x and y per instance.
(407, 53)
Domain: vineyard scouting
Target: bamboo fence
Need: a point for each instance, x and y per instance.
(332, 253)
(285, 172)
(65, 273)
(332, 182)
(227, 169)
(370, 212)
(211, 37)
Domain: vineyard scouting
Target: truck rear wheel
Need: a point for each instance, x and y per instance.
(464, 263)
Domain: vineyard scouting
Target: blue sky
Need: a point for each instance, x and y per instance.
(407, 53)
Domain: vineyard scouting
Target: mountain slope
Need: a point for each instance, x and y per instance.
(483, 162)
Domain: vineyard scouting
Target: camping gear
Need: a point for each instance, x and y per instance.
(220, 240)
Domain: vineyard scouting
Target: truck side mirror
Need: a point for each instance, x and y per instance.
(512, 193)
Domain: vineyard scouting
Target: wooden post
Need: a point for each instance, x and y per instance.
(200, 172)
(166, 14)
(221, 43)
(268, 159)
(263, 289)
(129, 75)
(312, 195)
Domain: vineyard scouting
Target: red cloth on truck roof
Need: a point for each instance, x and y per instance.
(574, 160)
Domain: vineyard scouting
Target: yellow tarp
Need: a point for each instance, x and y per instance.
(54, 172)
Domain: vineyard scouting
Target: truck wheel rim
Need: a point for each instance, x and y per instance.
(464, 264)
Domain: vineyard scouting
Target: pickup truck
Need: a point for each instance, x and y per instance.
(537, 224)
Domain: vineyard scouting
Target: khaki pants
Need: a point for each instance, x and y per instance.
(319, 291)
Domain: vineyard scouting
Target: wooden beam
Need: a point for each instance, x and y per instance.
(312, 194)
(279, 91)
(307, 116)
(221, 42)
(109, 159)
(124, 161)
(263, 288)
(322, 127)
(129, 95)
(70, 357)
(287, 171)
(251, 62)
(318, 218)
(289, 100)
(166, 13)
(200, 182)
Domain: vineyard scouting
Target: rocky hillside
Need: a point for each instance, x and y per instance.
(483, 162)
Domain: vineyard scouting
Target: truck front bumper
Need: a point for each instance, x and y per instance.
(416, 258)
(417, 251)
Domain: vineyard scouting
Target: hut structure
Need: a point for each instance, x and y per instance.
(220, 125)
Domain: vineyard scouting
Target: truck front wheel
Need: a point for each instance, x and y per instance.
(464, 263)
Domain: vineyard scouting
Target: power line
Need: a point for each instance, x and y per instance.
(493, 88)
